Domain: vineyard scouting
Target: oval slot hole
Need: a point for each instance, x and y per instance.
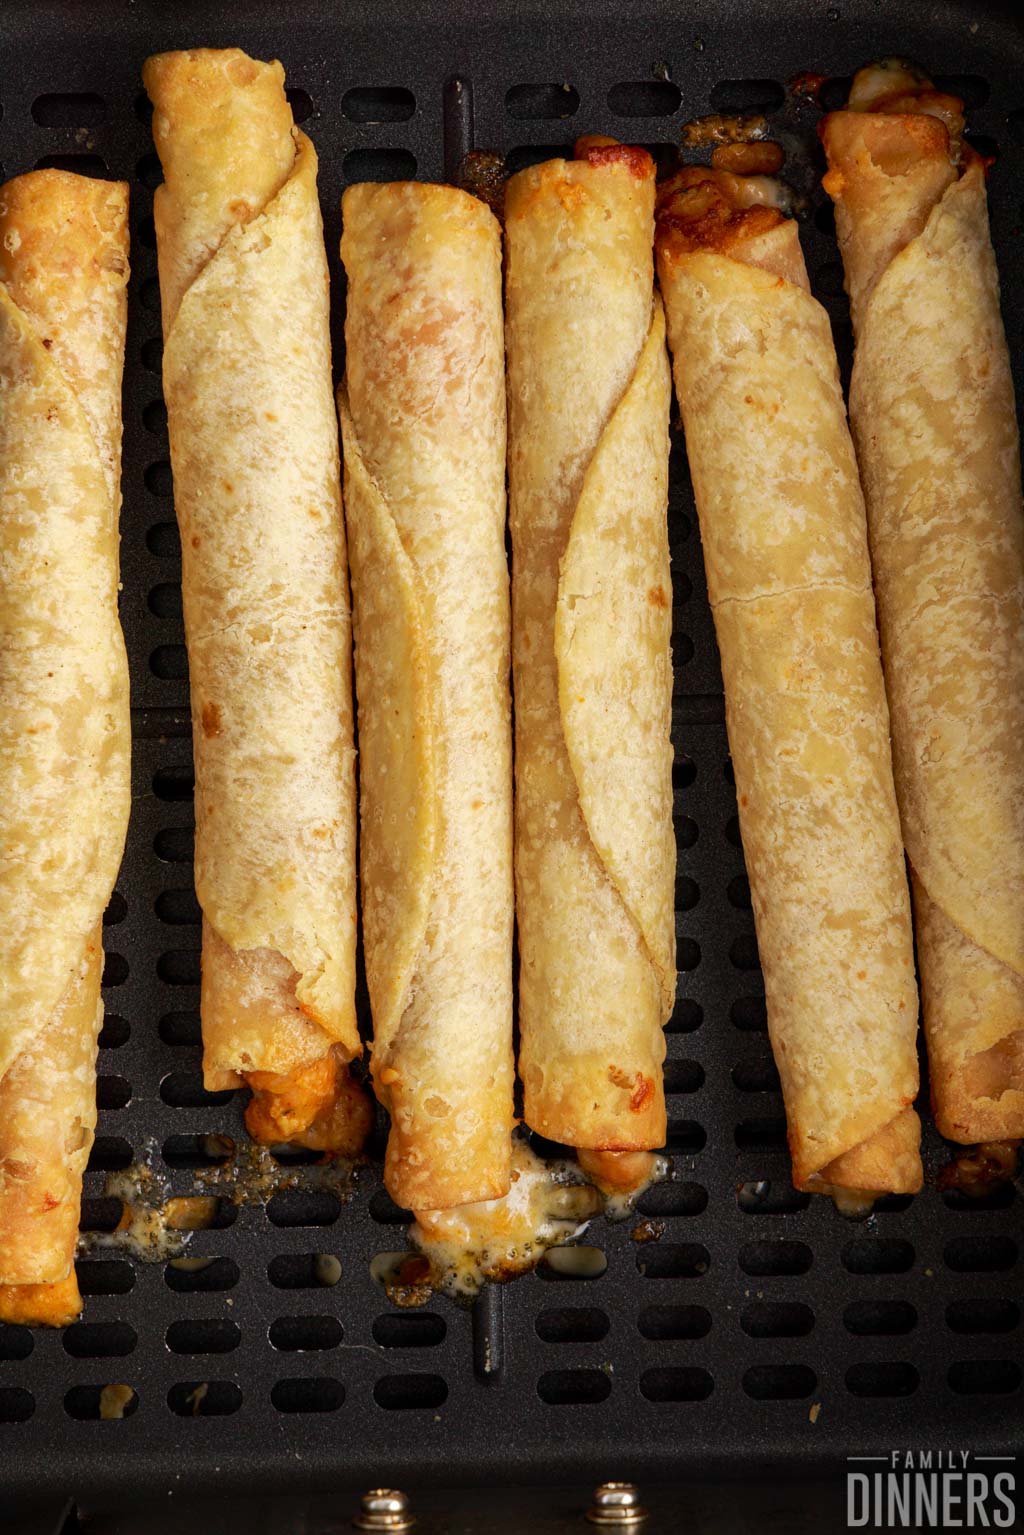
(213, 1335)
(298, 1334)
(580, 1262)
(398, 1393)
(204, 1398)
(378, 104)
(777, 1319)
(772, 1259)
(747, 96)
(679, 1383)
(562, 1388)
(681, 1260)
(202, 1276)
(779, 1382)
(536, 102)
(882, 1378)
(572, 1324)
(107, 1403)
(81, 109)
(304, 1271)
(673, 1199)
(379, 165)
(644, 98)
(99, 1340)
(419, 1329)
(665, 1324)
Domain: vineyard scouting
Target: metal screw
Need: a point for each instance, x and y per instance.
(384, 1508)
(617, 1506)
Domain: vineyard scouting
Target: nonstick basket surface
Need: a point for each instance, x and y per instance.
(762, 1333)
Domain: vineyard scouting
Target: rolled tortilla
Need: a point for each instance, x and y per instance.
(64, 719)
(588, 392)
(932, 408)
(423, 425)
(247, 380)
(785, 548)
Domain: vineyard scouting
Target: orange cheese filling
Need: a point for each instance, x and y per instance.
(704, 209)
(597, 149)
(318, 1105)
(618, 1172)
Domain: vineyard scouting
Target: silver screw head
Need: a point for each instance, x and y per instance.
(385, 1509)
(616, 1506)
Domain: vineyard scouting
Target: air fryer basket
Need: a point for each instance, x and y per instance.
(762, 1333)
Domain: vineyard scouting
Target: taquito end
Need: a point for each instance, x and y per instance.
(973, 1007)
(319, 1106)
(618, 1172)
(41, 1305)
(597, 149)
(982, 1099)
(223, 129)
(496, 1239)
(436, 1163)
(742, 217)
(257, 1031)
(64, 253)
(897, 86)
(600, 1108)
(255, 1018)
(47, 1118)
(892, 152)
(888, 1162)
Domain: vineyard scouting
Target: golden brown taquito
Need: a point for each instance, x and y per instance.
(254, 451)
(785, 548)
(619, 1172)
(64, 720)
(588, 394)
(423, 425)
(41, 1305)
(932, 409)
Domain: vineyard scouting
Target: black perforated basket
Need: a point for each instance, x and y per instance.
(762, 1333)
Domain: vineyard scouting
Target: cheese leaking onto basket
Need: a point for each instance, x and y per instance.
(156, 1225)
(549, 1204)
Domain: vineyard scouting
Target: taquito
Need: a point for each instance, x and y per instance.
(588, 395)
(785, 548)
(423, 428)
(254, 453)
(932, 408)
(64, 719)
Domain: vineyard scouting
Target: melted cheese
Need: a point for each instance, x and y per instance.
(405, 1277)
(319, 1106)
(326, 1269)
(156, 1226)
(144, 1230)
(546, 1205)
(578, 1262)
(724, 128)
(854, 1204)
(622, 1177)
(874, 83)
(115, 1401)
